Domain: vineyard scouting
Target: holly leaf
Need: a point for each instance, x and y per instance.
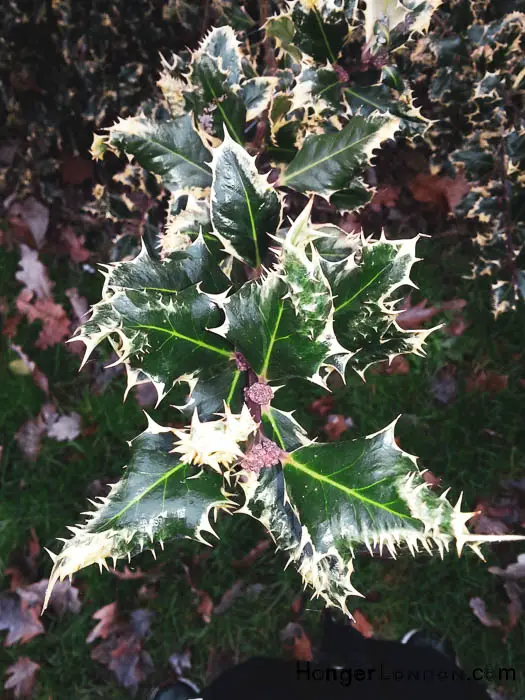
(173, 149)
(328, 500)
(282, 324)
(330, 162)
(365, 309)
(244, 207)
(256, 94)
(221, 44)
(160, 497)
(282, 428)
(321, 29)
(160, 322)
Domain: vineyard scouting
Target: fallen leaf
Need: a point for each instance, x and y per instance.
(29, 437)
(55, 323)
(33, 274)
(249, 559)
(443, 386)
(487, 381)
(434, 481)
(479, 609)
(398, 365)
(23, 677)
(107, 621)
(64, 596)
(75, 245)
(205, 605)
(297, 604)
(180, 662)
(78, 304)
(34, 215)
(145, 394)
(362, 624)
(141, 621)
(66, 427)
(386, 195)
(295, 640)
(322, 406)
(121, 651)
(229, 597)
(336, 425)
(442, 192)
(21, 622)
(414, 316)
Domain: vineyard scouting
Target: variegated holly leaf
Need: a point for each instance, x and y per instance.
(210, 389)
(214, 100)
(282, 428)
(256, 94)
(364, 286)
(281, 29)
(173, 149)
(160, 497)
(244, 207)
(328, 501)
(282, 324)
(321, 28)
(221, 44)
(389, 22)
(157, 319)
(330, 162)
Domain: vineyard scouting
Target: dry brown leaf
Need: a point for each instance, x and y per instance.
(107, 622)
(479, 609)
(414, 316)
(64, 596)
(322, 406)
(23, 677)
(442, 192)
(487, 381)
(21, 621)
(336, 425)
(180, 662)
(32, 214)
(249, 559)
(385, 195)
(75, 245)
(55, 323)
(66, 427)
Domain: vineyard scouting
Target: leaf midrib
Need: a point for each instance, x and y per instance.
(176, 334)
(314, 164)
(144, 493)
(341, 487)
(362, 289)
(273, 338)
(177, 154)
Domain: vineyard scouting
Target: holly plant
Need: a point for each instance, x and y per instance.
(241, 303)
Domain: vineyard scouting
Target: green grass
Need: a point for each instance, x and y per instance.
(450, 440)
